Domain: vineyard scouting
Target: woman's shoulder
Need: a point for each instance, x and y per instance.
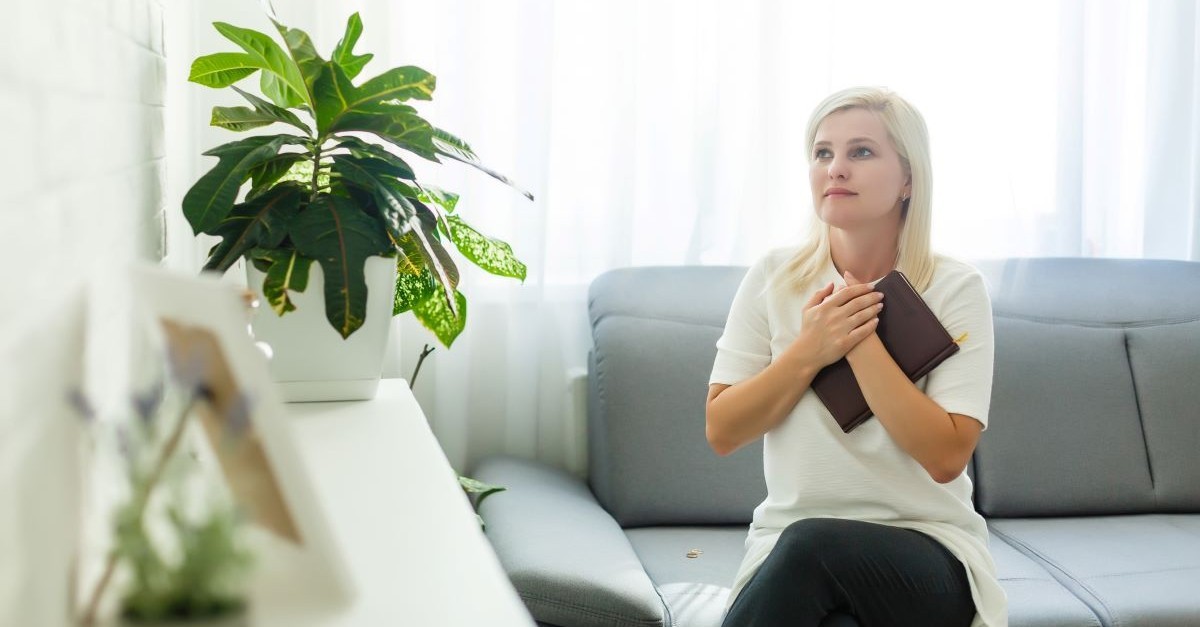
(775, 258)
(953, 277)
(768, 264)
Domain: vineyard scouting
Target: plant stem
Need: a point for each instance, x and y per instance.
(316, 170)
(141, 500)
(424, 353)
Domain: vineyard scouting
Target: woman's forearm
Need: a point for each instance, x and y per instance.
(918, 425)
(741, 414)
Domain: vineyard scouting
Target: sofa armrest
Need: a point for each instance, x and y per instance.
(566, 556)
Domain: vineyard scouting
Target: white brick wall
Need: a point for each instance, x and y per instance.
(82, 189)
(82, 86)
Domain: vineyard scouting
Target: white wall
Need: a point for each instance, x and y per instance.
(82, 194)
(83, 163)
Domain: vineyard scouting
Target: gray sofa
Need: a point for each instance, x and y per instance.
(1089, 474)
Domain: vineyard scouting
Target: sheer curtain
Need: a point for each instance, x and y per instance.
(669, 132)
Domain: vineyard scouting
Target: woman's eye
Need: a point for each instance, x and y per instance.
(862, 151)
(821, 153)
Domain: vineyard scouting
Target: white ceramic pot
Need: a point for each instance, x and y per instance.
(309, 359)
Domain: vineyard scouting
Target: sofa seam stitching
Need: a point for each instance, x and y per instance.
(676, 320)
(1138, 324)
(1137, 404)
(1033, 553)
(1144, 572)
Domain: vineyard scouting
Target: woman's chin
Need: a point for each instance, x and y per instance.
(848, 220)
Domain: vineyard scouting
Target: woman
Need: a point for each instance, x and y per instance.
(873, 527)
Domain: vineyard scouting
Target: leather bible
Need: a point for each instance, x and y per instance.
(913, 336)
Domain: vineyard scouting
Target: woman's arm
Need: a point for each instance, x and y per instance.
(833, 324)
(940, 441)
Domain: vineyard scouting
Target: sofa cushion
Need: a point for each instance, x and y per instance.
(567, 558)
(694, 588)
(654, 333)
(1130, 570)
(1165, 360)
(1035, 598)
(1064, 437)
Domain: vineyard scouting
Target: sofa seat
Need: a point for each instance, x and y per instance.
(694, 589)
(1130, 570)
(1035, 598)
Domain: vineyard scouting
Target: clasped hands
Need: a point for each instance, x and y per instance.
(838, 320)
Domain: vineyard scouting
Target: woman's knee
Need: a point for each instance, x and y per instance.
(815, 540)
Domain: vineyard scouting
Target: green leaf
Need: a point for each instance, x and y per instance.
(448, 145)
(411, 287)
(436, 315)
(338, 99)
(281, 78)
(340, 237)
(210, 199)
(490, 254)
(440, 197)
(374, 176)
(240, 118)
(484, 490)
(436, 258)
(259, 222)
(394, 86)
(279, 114)
(363, 149)
(303, 52)
(401, 127)
(264, 175)
(474, 486)
(222, 69)
(344, 55)
(288, 271)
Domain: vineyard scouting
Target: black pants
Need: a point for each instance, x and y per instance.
(828, 571)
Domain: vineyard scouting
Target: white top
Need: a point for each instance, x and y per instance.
(812, 469)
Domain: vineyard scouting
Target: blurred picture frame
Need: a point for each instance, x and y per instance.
(202, 324)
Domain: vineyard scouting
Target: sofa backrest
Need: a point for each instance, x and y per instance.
(1095, 401)
(1096, 393)
(654, 333)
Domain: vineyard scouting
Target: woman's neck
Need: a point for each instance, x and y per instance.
(868, 256)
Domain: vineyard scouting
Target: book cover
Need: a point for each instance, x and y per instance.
(913, 336)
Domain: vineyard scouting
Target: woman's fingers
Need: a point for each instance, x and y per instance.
(863, 330)
(819, 296)
(849, 293)
(865, 301)
(865, 314)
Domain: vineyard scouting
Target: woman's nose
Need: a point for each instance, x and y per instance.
(838, 168)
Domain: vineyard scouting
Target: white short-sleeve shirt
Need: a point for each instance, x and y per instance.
(812, 469)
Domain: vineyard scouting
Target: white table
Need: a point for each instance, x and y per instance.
(409, 535)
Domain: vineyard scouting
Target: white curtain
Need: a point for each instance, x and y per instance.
(668, 132)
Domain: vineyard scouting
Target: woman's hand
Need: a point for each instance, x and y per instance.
(836, 321)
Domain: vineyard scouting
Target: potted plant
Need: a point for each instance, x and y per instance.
(336, 190)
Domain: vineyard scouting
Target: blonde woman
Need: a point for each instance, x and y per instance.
(874, 527)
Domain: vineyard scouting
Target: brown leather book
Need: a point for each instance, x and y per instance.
(913, 336)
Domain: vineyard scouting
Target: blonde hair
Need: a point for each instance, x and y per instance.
(906, 129)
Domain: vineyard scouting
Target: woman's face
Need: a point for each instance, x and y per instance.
(856, 175)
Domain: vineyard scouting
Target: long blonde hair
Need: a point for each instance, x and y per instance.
(906, 129)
